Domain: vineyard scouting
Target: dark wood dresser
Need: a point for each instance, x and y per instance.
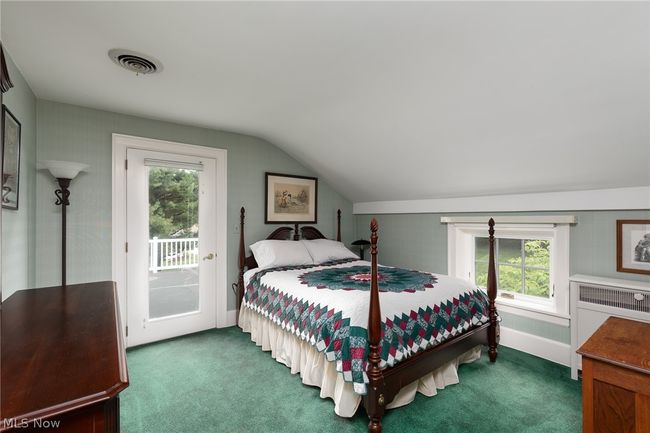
(616, 378)
(63, 359)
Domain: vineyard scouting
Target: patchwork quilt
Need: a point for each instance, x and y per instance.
(327, 306)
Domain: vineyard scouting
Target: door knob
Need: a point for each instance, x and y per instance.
(209, 257)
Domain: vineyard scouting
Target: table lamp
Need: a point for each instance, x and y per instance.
(362, 244)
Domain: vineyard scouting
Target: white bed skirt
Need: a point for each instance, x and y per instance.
(315, 370)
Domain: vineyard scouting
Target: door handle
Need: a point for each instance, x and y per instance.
(209, 256)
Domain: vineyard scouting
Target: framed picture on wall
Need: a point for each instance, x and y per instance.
(290, 199)
(633, 246)
(10, 159)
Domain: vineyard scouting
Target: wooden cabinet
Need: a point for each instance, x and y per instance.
(616, 378)
(62, 360)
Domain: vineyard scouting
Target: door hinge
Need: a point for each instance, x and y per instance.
(126, 164)
(127, 330)
(126, 247)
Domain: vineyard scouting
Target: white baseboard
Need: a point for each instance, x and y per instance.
(231, 319)
(551, 350)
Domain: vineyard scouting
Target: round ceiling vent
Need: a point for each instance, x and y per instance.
(134, 62)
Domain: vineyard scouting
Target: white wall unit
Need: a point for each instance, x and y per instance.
(594, 299)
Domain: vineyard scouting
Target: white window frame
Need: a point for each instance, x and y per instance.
(460, 261)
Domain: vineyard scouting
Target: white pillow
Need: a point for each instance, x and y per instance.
(274, 253)
(325, 250)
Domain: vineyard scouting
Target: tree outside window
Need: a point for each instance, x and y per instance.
(522, 265)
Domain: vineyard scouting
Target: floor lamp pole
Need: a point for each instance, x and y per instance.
(62, 195)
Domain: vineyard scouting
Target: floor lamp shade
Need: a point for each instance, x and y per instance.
(64, 172)
(63, 169)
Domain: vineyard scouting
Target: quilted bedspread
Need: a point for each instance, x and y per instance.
(327, 306)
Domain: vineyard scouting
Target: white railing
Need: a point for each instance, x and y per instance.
(173, 254)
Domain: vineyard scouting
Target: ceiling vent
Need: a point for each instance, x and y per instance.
(134, 62)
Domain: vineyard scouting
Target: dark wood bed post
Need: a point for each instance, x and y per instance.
(493, 331)
(338, 225)
(242, 259)
(375, 399)
(384, 385)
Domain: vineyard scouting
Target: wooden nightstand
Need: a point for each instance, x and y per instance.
(616, 378)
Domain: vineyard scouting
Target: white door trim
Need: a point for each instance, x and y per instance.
(123, 142)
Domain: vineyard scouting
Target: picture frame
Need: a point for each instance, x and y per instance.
(633, 246)
(11, 130)
(290, 199)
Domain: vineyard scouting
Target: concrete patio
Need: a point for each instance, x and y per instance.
(173, 292)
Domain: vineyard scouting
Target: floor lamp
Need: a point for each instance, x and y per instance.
(63, 172)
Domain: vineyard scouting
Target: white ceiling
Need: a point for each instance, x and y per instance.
(385, 101)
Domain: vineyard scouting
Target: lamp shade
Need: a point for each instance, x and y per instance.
(63, 169)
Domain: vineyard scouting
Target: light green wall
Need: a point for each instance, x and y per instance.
(80, 134)
(419, 241)
(18, 227)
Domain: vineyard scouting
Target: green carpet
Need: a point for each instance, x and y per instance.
(220, 381)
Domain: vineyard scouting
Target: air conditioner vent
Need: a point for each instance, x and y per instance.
(134, 62)
(619, 298)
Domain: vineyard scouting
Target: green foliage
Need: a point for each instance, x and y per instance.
(538, 253)
(173, 202)
(534, 264)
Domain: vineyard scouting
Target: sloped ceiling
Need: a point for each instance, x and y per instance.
(385, 101)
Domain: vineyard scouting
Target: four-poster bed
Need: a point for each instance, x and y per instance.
(384, 381)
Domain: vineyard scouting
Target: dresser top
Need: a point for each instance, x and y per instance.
(621, 342)
(61, 349)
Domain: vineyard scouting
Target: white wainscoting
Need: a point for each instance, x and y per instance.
(551, 350)
(231, 319)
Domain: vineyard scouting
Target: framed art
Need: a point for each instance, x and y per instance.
(290, 199)
(10, 159)
(633, 246)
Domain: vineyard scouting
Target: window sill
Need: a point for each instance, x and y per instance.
(532, 311)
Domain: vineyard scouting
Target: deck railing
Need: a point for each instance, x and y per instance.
(173, 254)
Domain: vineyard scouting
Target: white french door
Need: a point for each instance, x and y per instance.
(171, 235)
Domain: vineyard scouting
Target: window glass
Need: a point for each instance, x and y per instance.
(522, 265)
(509, 251)
(481, 261)
(537, 282)
(510, 278)
(538, 257)
(481, 271)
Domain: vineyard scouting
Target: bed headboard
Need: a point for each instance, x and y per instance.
(282, 234)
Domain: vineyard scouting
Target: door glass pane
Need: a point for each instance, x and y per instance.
(173, 241)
